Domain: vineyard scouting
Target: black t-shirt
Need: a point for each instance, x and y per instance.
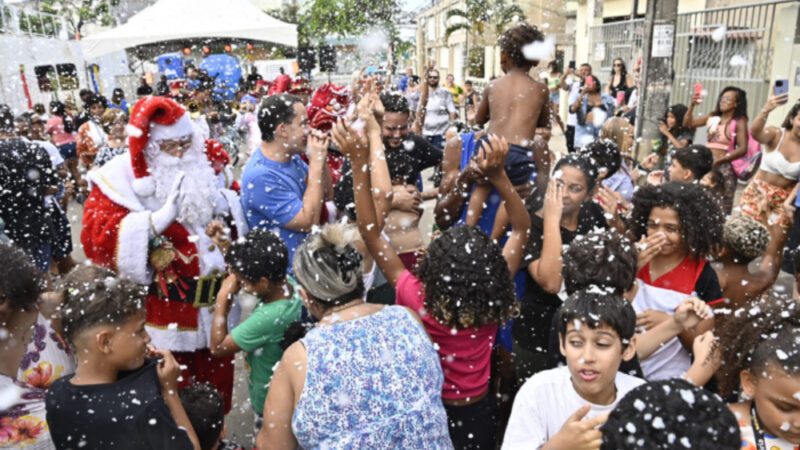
(532, 328)
(129, 414)
(404, 163)
(25, 173)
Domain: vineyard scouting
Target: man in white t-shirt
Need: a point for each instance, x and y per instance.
(562, 408)
(572, 81)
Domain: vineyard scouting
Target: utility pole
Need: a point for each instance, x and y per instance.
(657, 72)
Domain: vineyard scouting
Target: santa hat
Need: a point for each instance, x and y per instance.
(153, 118)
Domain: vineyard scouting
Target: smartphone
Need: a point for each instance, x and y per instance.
(589, 83)
(698, 89)
(571, 65)
(620, 98)
(781, 87)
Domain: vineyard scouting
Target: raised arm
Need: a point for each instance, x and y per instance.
(452, 190)
(689, 121)
(222, 343)
(357, 149)
(769, 136)
(770, 265)
(379, 172)
(422, 108)
(490, 162)
(308, 216)
(546, 270)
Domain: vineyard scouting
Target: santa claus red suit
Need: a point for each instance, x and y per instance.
(146, 218)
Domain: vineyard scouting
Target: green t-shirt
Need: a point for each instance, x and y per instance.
(260, 336)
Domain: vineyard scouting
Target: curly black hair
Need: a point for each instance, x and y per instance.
(670, 415)
(394, 102)
(761, 335)
(466, 279)
(701, 217)
(205, 408)
(513, 41)
(603, 154)
(260, 254)
(20, 280)
(600, 258)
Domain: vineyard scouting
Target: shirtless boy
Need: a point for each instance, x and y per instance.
(517, 105)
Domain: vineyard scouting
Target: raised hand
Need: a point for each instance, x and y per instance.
(492, 155)
(649, 246)
(776, 101)
(553, 200)
(350, 143)
(317, 148)
(164, 216)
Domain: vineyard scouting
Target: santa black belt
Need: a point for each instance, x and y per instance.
(199, 292)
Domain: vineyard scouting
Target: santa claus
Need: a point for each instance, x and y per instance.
(150, 216)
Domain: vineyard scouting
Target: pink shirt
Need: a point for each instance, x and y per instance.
(55, 128)
(465, 354)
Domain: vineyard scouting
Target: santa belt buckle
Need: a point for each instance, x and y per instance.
(200, 292)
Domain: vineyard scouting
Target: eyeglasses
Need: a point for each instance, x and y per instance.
(617, 65)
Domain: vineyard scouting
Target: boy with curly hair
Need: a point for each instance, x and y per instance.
(678, 226)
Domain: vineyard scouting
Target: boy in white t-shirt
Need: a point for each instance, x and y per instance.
(562, 408)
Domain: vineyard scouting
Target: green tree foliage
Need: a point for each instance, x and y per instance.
(475, 18)
(80, 12)
(347, 18)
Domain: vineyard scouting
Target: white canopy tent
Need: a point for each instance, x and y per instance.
(169, 20)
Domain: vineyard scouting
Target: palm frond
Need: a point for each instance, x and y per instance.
(453, 28)
(456, 13)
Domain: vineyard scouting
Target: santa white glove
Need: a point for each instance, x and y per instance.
(167, 214)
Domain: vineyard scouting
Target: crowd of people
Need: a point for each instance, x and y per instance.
(578, 301)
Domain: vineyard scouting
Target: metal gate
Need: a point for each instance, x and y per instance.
(725, 46)
(615, 40)
(715, 47)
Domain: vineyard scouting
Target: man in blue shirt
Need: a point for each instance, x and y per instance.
(280, 192)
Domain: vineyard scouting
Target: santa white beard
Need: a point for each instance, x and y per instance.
(198, 189)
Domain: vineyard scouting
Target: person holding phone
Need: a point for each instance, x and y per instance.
(727, 134)
(621, 82)
(591, 110)
(775, 183)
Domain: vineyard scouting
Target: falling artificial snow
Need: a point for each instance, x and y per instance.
(540, 50)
